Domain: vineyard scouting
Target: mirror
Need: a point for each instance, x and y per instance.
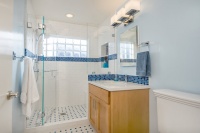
(104, 55)
(128, 47)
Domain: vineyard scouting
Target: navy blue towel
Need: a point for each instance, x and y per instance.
(143, 67)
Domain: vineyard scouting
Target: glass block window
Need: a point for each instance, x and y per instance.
(65, 47)
(127, 51)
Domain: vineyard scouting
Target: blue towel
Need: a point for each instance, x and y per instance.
(143, 67)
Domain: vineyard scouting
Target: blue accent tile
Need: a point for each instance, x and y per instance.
(71, 59)
(29, 53)
(112, 57)
(40, 58)
(68, 59)
(121, 77)
(93, 59)
(102, 59)
(130, 78)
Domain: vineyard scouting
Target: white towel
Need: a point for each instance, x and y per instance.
(29, 94)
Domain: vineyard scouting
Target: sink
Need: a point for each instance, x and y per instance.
(114, 83)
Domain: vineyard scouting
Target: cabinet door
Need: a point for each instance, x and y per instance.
(92, 110)
(103, 117)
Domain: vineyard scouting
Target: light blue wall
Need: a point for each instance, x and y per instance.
(173, 27)
(18, 120)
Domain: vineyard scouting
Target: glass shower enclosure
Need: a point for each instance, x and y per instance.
(60, 100)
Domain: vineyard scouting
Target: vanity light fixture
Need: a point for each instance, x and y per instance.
(114, 21)
(121, 15)
(126, 14)
(132, 7)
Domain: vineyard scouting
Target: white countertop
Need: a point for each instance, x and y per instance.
(118, 85)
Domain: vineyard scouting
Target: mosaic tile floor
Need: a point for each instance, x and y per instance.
(78, 129)
(57, 114)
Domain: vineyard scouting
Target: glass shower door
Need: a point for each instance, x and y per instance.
(49, 79)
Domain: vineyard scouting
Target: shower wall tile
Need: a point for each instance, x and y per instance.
(63, 29)
(30, 36)
(71, 83)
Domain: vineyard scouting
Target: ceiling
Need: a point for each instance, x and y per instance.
(91, 12)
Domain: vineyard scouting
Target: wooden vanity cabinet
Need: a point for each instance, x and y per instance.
(93, 110)
(119, 111)
(99, 109)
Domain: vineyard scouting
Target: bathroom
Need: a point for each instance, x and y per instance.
(77, 48)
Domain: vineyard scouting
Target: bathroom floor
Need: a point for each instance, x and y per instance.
(57, 114)
(78, 129)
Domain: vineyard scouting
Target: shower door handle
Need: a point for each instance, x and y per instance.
(12, 95)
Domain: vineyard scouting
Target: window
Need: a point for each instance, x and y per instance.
(127, 51)
(65, 47)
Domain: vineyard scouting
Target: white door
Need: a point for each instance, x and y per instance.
(6, 41)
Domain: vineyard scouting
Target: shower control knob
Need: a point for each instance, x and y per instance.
(12, 95)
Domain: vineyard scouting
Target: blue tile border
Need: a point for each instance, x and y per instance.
(68, 59)
(93, 59)
(101, 77)
(112, 57)
(28, 53)
(77, 59)
(130, 78)
(138, 79)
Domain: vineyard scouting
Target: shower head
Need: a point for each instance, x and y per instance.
(41, 26)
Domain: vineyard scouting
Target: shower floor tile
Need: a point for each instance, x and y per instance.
(57, 114)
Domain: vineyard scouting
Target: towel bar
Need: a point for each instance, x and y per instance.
(15, 57)
(144, 44)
